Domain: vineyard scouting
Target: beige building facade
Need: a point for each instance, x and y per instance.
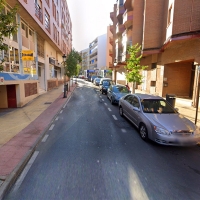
(45, 30)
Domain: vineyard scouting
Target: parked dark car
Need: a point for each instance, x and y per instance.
(88, 78)
(94, 76)
(105, 84)
(115, 92)
(96, 81)
(157, 120)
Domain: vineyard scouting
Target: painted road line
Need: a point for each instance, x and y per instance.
(109, 109)
(45, 138)
(106, 104)
(61, 111)
(64, 105)
(115, 118)
(123, 130)
(102, 99)
(25, 171)
(51, 127)
(57, 118)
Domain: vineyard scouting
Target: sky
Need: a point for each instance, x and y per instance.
(90, 19)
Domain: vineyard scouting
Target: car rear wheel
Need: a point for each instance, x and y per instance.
(143, 132)
(121, 111)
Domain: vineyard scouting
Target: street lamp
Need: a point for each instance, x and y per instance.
(115, 64)
(65, 86)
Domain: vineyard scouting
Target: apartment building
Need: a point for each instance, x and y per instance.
(169, 34)
(85, 59)
(33, 61)
(97, 53)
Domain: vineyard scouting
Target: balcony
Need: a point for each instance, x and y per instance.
(112, 29)
(128, 4)
(112, 16)
(110, 52)
(111, 40)
(120, 12)
(120, 29)
(128, 19)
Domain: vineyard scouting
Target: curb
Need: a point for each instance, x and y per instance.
(10, 180)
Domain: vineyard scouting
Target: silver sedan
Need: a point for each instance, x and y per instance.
(157, 120)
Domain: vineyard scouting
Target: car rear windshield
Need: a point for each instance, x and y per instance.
(120, 89)
(156, 106)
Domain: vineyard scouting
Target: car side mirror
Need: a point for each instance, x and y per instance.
(136, 109)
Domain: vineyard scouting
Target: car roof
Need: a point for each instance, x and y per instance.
(147, 96)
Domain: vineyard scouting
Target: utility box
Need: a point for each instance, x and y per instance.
(171, 98)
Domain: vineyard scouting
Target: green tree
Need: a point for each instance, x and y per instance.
(78, 68)
(133, 67)
(8, 25)
(73, 58)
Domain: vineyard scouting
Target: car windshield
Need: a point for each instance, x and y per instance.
(106, 83)
(156, 106)
(120, 89)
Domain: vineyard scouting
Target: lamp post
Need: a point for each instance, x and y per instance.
(115, 64)
(64, 60)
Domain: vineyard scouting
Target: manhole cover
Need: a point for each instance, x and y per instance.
(47, 102)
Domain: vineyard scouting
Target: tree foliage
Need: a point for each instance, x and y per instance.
(133, 66)
(71, 63)
(8, 25)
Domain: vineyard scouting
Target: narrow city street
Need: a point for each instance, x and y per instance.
(90, 152)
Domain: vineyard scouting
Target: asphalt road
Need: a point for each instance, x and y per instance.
(90, 152)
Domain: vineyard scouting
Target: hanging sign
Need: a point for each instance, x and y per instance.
(27, 55)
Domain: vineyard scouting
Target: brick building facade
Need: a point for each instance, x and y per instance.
(169, 34)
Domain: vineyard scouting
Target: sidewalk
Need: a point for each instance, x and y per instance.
(22, 129)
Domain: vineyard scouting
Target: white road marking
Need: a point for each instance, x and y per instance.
(56, 118)
(109, 109)
(115, 118)
(123, 130)
(102, 99)
(51, 128)
(105, 104)
(45, 138)
(61, 111)
(25, 171)
(64, 105)
(100, 96)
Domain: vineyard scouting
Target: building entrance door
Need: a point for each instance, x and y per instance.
(11, 96)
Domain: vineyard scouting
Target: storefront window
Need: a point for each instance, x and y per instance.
(7, 67)
(16, 56)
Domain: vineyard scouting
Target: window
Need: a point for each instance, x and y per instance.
(47, 21)
(38, 9)
(40, 46)
(153, 65)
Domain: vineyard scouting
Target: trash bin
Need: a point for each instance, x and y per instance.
(171, 98)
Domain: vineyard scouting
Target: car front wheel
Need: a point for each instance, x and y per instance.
(143, 132)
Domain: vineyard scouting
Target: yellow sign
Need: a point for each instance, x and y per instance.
(27, 55)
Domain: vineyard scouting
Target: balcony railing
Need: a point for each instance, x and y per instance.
(128, 19)
(112, 16)
(38, 12)
(112, 29)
